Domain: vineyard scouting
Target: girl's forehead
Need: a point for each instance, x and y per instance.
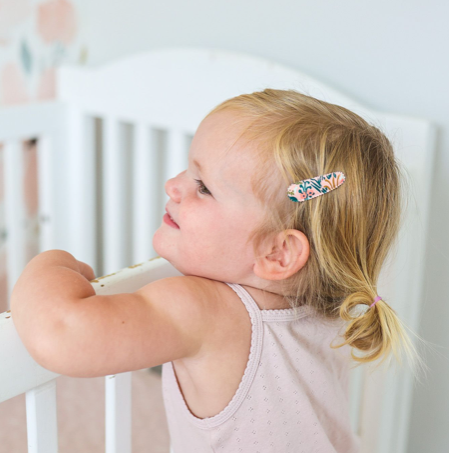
(228, 173)
(221, 156)
(220, 131)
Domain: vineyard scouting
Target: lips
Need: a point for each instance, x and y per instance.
(173, 220)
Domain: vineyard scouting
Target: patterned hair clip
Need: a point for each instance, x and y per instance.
(314, 187)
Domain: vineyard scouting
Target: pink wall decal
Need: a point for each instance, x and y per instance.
(13, 88)
(56, 21)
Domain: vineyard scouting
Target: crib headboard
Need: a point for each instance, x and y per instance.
(117, 132)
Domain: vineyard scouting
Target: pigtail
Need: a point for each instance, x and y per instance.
(375, 330)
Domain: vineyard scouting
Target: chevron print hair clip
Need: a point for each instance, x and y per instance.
(314, 187)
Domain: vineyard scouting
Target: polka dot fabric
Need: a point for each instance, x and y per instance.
(293, 396)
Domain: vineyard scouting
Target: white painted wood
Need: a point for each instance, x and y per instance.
(19, 373)
(48, 188)
(81, 180)
(114, 196)
(209, 76)
(15, 211)
(118, 413)
(27, 121)
(145, 189)
(131, 278)
(176, 156)
(42, 425)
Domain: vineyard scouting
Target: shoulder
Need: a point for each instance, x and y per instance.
(201, 298)
(183, 291)
(192, 304)
(203, 308)
(189, 289)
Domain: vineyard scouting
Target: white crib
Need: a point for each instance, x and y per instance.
(105, 148)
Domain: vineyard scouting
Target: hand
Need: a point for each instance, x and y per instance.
(86, 271)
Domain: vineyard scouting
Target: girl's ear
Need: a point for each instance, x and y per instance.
(280, 261)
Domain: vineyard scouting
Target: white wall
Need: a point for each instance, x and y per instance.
(392, 55)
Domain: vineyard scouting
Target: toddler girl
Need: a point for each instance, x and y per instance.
(280, 226)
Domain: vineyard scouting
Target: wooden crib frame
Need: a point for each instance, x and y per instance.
(105, 147)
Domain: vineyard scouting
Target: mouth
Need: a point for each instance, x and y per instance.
(169, 219)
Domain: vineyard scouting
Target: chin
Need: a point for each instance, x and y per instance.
(162, 249)
(158, 245)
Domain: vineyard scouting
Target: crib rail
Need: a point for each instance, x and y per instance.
(19, 373)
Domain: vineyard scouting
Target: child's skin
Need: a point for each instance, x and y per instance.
(196, 321)
(211, 241)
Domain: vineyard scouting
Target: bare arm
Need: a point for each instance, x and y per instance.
(70, 330)
(41, 295)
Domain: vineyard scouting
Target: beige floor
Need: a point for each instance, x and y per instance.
(81, 417)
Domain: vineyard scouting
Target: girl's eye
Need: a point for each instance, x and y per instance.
(202, 187)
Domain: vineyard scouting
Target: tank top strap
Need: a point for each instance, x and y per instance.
(247, 299)
(172, 387)
(256, 338)
(272, 315)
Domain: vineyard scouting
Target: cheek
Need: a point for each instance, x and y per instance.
(203, 231)
(199, 216)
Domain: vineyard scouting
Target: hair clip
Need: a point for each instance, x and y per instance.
(314, 187)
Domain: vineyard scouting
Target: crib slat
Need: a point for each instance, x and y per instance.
(114, 191)
(176, 157)
(118, 413)
(146, 174)
(49, 189)
(80, 153)
(46, 187)
(15, 212)
(42, 425)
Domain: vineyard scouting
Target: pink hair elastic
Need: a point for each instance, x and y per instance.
(376, 300)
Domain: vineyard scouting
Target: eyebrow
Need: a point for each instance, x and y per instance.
(197, 164)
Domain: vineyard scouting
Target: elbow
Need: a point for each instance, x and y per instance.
(45, 349)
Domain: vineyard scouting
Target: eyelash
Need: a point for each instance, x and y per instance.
(202, 186)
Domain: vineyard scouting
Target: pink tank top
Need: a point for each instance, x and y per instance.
(293, 396)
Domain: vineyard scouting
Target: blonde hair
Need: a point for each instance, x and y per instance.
(351, 230)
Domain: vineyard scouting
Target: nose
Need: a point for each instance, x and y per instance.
(172, 188)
